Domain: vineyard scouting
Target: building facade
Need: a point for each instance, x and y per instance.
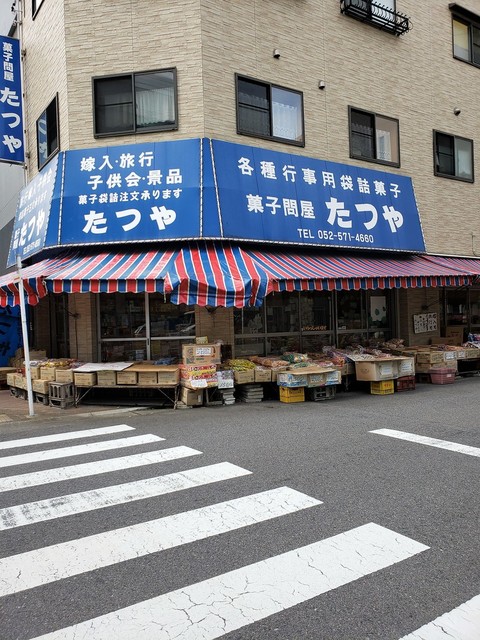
(392, 87)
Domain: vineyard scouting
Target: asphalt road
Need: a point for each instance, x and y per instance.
(427, 496)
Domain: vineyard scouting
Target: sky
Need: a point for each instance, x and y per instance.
(6, 16)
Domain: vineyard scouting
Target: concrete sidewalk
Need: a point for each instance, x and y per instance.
(14, 409)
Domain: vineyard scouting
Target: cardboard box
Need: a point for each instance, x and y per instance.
(333, 377)
(126, 377)
(374, 370)
(276, 371)
(85, 379)
(316, 380)
(244, 377)
(191, 397)
(35, 371)
(47, 373)
(406, 367)
(262, 374)
(168, 375)
(20, 381)
(472, 354)
(201, 354)
(429, 357)
(292, 379)
(424, 367)
(446, 341)
(11, 379)
(147, 378)
(449, 356)
(106, 378)
(40, 386)
(456, 333)
(64, 375)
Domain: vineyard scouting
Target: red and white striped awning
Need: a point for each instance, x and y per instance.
(304, 272)
(226, 275)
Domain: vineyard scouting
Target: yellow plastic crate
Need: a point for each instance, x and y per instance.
(382, 388)
(292, 394)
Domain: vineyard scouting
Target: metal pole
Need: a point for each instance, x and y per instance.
(26, 348)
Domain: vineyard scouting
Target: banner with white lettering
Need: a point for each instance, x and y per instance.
(11, 115)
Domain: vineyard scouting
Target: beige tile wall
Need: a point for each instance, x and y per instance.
(413, 77)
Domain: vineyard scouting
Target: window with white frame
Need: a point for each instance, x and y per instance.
(135, 102)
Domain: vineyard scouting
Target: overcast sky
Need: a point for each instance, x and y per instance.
(6, 16)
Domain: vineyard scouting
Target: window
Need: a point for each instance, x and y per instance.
(268, 111)
(374, 137)
(36, 4)
(48, 141)
(135, 102)
(466, 35)
(453, 156)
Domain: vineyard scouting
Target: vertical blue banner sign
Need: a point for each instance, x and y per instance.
(11, 116)
(33, 212)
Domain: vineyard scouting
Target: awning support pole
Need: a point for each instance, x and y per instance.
(26, 348)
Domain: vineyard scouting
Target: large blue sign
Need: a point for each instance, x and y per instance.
(270, 196)
(33, 213)
(132, 193)
(11, 117)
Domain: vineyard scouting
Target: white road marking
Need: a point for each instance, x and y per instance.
(431, 442)
(78, 450)
(71, 435)
(34, 568)
(94, 468)
(23, 514)
(462, 623)
(214, 607)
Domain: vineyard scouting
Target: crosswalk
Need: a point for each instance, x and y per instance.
(204, 610)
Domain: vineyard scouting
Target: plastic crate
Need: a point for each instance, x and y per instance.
(292, 394)
(382, 387)
(322, 393)
(442, 376)
(405, 383)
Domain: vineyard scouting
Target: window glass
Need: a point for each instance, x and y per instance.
(460, 40)
(47, 133)
(463, 158)
(249, 320)
(287, 114)
(114, 105)
(387, 139)
(121, 314)
(135, 102)
(475, 45)
(269, 111)
(154, 99)
(445, 154)
(282, 312)
(362, 130)
(349, 309)
(475, 307)
(167, 319)
(315, 311)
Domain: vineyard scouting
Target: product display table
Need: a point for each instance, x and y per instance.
(81, 392)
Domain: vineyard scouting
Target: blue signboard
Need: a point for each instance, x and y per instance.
(278, 197)
(33, 212)
(131, 193)
(11, 117)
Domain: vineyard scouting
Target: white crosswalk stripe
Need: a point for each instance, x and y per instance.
(431, 442)
(31, 569)
(69, 435)
(81, 449)
(61, 506)
(10, 483)
(462, 623)
(214, 607)
(201, 611)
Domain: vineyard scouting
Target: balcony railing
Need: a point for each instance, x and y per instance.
(377, 15)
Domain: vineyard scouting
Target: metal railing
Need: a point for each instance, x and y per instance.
(377, 15)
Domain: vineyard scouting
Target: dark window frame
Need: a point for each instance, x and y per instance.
(373, 115)
(471, 21)
(269, 86)
(136, 129)
(441, 174)
(52, 152)
(36, 4)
